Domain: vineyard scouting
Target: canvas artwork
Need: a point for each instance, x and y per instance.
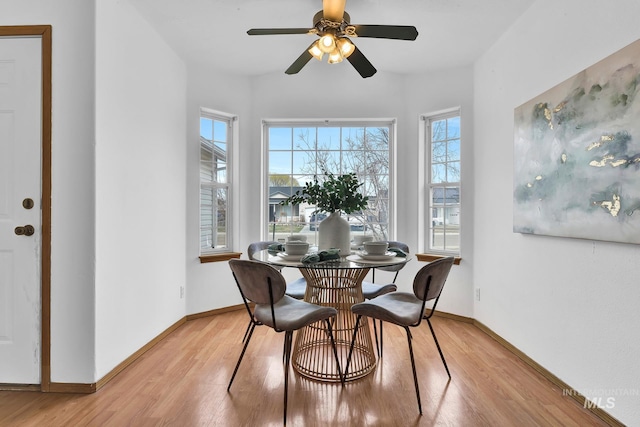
(577, 155)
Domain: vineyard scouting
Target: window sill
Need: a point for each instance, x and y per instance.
(433, 257)
(219, 257)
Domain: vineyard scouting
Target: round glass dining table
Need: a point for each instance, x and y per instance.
(337, 284)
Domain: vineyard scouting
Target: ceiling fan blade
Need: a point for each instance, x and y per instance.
(361, 63)
(333, 10)
(300, 62)
(272, 31)
(397, 32)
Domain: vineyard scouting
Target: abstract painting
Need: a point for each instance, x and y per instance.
(577, 155)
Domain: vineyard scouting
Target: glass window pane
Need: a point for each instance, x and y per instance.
(353, 161)
(206, 128)
(280, 139)
(437, 239)
(206, 166)
(437, 199)
(439, 152)
(220, 162)
(220, 211)
(439, 130)
(453, 128)
(438, 173)
(221, 172)
(353, 138)
(378, 138)
(329, 138)
(206, 218)
(304, 162)
(452, 195)
(304, 138)
(453, 172)
(279, 162)
(378, 162)
(219, 131)
(328, 161)
(453, 150)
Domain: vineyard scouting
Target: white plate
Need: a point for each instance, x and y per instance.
(370, 257)
(285, 256)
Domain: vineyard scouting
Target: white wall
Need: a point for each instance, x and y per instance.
(211, 285)
(424, 95)
(571, 305)
(323, 91)
(140, 184)
(72, 210)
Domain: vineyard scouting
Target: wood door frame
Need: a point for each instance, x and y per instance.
(44, 32)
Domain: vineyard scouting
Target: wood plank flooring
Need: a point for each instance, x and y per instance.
(182, 381)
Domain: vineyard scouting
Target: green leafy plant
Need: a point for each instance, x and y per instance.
(335, 193)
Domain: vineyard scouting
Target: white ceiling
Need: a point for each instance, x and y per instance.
(452, 33)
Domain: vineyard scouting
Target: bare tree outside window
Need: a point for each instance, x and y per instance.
(362, 149)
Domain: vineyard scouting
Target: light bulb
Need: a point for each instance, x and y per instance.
(345, 46)
(327, 43)
(335, 56)
(316, 52)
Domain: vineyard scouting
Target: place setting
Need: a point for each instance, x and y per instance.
(376, 252)
(292, 250)
(358, 241)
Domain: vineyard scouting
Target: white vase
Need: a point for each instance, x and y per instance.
(335, 232)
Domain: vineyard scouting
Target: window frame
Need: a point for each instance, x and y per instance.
(427, 204)
(391, 123)
(231, 123)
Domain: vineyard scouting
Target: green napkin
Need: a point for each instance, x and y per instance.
(399, 252)
(275, 248)
(326, 255)
(310, 258)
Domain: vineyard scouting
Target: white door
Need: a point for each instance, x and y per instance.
(20, 181)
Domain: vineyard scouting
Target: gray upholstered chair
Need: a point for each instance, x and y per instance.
(407, 309)
(295, 289)
(372, 290)
(264, 286)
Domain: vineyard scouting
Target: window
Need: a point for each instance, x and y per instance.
(296, 152)
(216, 132)
(442, 136)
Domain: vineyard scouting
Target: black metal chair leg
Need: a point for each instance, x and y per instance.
(288, 339)
(438, 345)
(247, 331)
(244, 348)
(413, 367)
(335, 351)
(375, 333)
(353, 341)
(284, 349)
(381, 351)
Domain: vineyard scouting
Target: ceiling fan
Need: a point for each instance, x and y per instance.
(333, 25)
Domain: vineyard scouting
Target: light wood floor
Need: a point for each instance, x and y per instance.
(182, 382)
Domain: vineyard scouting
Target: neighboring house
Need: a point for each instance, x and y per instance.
(276, 210)
(446, 206)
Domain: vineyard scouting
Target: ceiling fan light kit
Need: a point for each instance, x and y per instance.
(332, 25)
(337, 49)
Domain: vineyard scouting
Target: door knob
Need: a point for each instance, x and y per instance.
(27, 230)
(28, 203)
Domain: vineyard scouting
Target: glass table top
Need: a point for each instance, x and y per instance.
(354, 260)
